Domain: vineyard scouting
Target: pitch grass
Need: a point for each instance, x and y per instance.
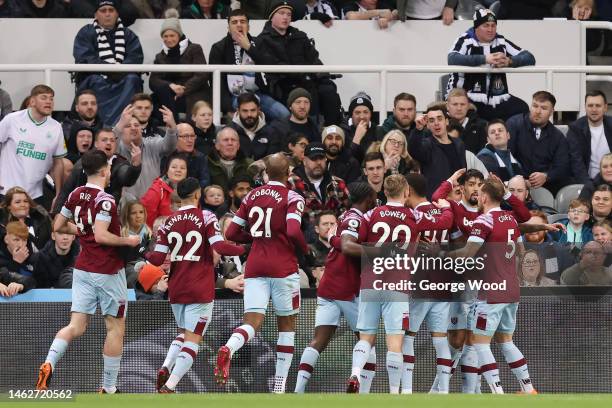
(331, 400)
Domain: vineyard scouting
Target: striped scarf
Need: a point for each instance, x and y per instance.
(105, 51)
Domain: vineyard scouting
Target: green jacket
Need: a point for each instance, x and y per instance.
(218, 174)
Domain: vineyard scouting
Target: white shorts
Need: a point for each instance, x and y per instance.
(194, 317)
(487, 319)
(285, 294)
(459, 312)
(329, 312)
(434, 314)
(92, 289)
(394, 314)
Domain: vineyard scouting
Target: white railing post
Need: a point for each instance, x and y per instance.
(549, 81)
(383, 96)
(583, 60)
(216, 94)
(47, 76)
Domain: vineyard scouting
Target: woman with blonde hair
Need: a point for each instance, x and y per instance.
(604, 177)
(17, 205)
(395, 152)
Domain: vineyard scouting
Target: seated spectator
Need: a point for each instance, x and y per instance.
(12, 283)
(197, 163)
(214, 199)
(321, 10)
(157, 199)
(226, 160)
(179, 91)
(238, 48)
(602, 232)
(18, 206)
(482, 45)
(143, 112)
(374, 174)
(578, 230)
(33, 146)
(590, 270)
(155, 8)
(133, 222)
(339, 160)
(359, 130)
(518, 186)
(603, 177)
(438, 154)
(455, 130)
(402, 117)
(395, 152)
(257, 9)
(107, 41)
(474, 134)
(239, 188)
(202, 123)
(152, 149)
(257, 138)
(43, 9)
(601, 204)
(282, 44)
(428, 10)
(324, 222)
(206, 9)
(152, 283)
(539, 146)
(123, 172)
(300, 120)
(295, 149)
(79, 141)
(16, 253)
(54, 262)
(538, 10)
(590, 138)
(532, 271)
(6, 104)
(9, 8)
(84, 112)
(378, 10)
(495, 155)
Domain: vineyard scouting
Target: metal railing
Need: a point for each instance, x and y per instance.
(381, 70)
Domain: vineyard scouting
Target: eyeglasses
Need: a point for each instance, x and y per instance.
(191, 136)
(577, 211)
(396, 142)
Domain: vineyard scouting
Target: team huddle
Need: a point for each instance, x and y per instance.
(268, 226)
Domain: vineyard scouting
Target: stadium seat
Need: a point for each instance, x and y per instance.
(563, 129)
(542, 197)
(565, 195)
(556, 218)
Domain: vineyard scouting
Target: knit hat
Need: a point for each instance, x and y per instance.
(331, 130)
(361, 99)
(149, 275)
(171, 22)
(482, 16)
(277, 6)
(102, 3)
(298, 93)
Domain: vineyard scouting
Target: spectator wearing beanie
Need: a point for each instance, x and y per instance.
(179, 91)
(340, 163)
(152, 283)
(359, 130)
(299, 103)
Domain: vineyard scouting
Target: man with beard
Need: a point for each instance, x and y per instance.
(403, 116)
(359, 129)
(197, 163)
(124, 173)
(340, 163)
(239, 188)
(299, 103)
(85, 112)
(143, 110)
(257, 139)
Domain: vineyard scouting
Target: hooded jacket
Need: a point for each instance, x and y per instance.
(71, 144)
(259, 142)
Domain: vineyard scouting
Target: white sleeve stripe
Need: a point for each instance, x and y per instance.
(351, 233)
(239, 221)
(215, 238)
(66, 213)
(106, 218)
(161, 248)
(473, 238)
(293, 216)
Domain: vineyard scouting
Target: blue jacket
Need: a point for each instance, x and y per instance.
(587, 234)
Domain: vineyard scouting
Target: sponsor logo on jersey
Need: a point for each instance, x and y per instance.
(468, 223)
(27, 149)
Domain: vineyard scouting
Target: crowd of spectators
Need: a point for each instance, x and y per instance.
(153, 141)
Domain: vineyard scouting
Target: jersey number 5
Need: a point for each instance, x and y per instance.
(178, 238)
(511, 245)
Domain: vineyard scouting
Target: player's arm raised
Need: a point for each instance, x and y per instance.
(427, 222)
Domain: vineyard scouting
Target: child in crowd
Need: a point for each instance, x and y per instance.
(214, 199)
(578, 231)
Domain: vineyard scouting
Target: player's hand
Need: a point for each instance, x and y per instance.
(162, 285)
(448, 15)
(236, 284)
(21, 254)
(135, 154)
(168, 117)
(456, 175)
(14, 288)
(132, 241)
(442, 203)
(216, 258)
(537, 179)
(555, 227)
(429, 248)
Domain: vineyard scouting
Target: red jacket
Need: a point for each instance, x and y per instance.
(157, 200)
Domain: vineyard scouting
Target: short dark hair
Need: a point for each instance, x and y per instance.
(469, 174)
(603, 187)
(248, 97)
(240, 179)
(105, 129)
(93, 161)
(404, 96)
(141, 97)
(84, 92)
(187, 187)
(545, 96)
(493, 189)
(595, 93)
(372, 156)
(437, 106)
(359, 191)
(42, 89)
(295, 137)
(174, 156)
(497, 122)
(322, 214)
(417, 183)
(237, 12)
(453, 124)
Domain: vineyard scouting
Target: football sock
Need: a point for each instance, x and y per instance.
(394, 369)
(173, 351)
(184, 361)
(240, 337)
(469, 369)
(111, 371)
(284, 355)
(361, 352)
(56, 351)
(489, 368)
(444, 363)
(367, 373)
(307, 363)
(518, 365)
(408, 365)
